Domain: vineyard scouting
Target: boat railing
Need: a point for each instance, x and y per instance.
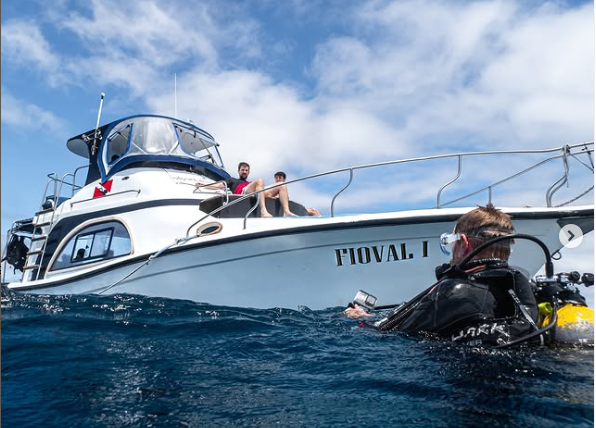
(137, 192)
(212, 185)
(56, 186)
(549, 194)
(45, 217)
(227, 192)
(565, 152)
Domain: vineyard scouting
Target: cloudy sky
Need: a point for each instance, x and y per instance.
(307, 86)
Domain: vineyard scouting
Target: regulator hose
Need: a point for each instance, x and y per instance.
(549, 269)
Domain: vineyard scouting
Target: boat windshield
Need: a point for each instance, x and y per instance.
(157, 139)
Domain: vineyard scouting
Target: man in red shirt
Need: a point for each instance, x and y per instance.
(241, 186)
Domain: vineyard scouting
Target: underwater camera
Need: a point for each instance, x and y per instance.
(365, 300)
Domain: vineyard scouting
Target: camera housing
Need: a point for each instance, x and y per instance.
(365, 300)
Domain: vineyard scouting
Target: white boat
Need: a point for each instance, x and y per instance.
(140, 225)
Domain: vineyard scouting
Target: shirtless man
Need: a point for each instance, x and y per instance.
(281, 192)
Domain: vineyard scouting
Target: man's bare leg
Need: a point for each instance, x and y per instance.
(284, 200)
(255, 186)
(271, 193)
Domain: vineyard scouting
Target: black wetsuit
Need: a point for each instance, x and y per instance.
(490, 304)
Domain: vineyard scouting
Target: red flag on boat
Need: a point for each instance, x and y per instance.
(102, 189)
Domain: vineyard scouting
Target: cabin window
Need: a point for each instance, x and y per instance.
(193, 143)
(94, 243)
(118, 142)
(153, 137)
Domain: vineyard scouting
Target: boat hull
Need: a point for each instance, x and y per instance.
(318, 264)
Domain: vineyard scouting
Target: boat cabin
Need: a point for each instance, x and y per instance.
(148, 141)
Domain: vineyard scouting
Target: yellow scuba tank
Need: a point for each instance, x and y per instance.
(574, 325)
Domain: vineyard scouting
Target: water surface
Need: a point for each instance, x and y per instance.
(130, 361)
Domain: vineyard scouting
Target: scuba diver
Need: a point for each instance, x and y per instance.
(478, 299)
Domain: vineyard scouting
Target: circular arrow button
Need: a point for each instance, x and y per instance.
(571, 236)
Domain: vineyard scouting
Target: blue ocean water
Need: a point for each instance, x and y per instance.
(130, 361)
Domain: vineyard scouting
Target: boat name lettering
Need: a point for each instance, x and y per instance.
(376, 254)
(190, 179)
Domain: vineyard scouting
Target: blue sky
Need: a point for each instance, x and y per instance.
(303, 86)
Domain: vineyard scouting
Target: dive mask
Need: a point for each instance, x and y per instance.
(446, 242)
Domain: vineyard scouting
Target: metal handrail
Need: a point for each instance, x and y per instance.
(62, 182)
(250, 211)
(225, 188)
(51, 179)
(446, 156)
(497, 183)
(561, 181)
(74, 179)
(337, 194)
(109, 195)
(449, 182)
(58, 184)
(57, 192)
(460, 156)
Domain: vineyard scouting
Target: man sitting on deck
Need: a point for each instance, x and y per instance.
(281, 192)
(241, 186)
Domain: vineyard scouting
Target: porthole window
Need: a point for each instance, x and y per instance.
(94, 243)
(209, 229)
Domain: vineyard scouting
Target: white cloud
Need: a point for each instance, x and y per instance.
(398, 80)
(491, 70)
(145, 31)
(130, 45)
(401, 76)
(406, 83)
(119, 71)
(24, 44)
(544, 80)
(26, 115)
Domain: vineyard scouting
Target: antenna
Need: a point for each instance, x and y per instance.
(175, 98)
(96, 135)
